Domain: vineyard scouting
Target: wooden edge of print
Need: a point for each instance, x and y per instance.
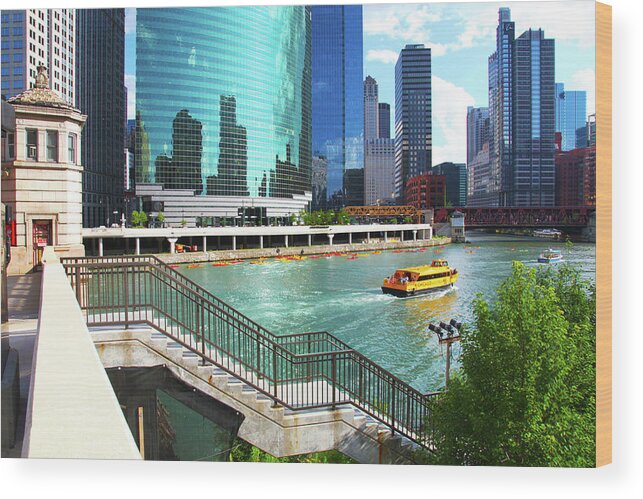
(603, 234)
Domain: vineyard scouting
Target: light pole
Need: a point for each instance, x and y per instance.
(447, 334)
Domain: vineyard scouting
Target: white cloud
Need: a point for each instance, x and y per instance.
(467, 26)
(385, 56)
(584, 79)
(406, 23)
(130, 83)
(450, 120)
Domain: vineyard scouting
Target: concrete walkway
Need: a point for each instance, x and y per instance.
(20, 332)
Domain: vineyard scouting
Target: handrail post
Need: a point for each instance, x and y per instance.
(393, 408)
(334, 377)
(274, 374)
(78, 293)
(126, 296)
(201, 315)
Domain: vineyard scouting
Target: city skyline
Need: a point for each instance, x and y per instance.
(460, 35)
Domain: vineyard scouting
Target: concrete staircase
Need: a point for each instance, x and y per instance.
(274, 429)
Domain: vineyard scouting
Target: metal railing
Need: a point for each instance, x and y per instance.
(298, 371)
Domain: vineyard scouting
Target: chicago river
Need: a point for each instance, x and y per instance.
(343, 297)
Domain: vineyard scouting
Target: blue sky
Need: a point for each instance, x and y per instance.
(461, 36)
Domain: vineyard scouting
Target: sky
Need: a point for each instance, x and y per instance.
(461, 37)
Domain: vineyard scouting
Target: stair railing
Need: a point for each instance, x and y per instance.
(298, 371)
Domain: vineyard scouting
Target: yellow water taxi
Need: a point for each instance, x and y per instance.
(424, 279)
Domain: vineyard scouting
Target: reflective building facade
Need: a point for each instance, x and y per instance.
(533, 175)
(571, 116)
(223, 102)
(338, 105)
(501, 111)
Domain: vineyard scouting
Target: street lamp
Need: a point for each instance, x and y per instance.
(447, 334)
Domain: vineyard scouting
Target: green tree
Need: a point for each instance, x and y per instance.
(139, 219)
(160, 218)
(244, 452)
(525, 391)
(343, 218)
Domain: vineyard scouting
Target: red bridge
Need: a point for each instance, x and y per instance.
(555, 217)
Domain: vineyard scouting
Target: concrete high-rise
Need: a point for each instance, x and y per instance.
(477, 130)
(379, 153)
(413, 139)
(379, 171)
(571, 116)
(371, 109)
(384, 117)
(100, 94)
(38, 37)
(478, 173)
(337, 102)
(225, 104)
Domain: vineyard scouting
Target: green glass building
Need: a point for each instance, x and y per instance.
(223, 99)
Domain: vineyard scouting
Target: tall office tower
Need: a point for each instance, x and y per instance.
(338, 103)
(501, 111)
(533, 177)
(413, 141)
(478, 157)
(371, 109)
(521, 117)
(571, 114)
(384, 118)
(237, 82)
(100, 94)
(35, 37)
(379, 171)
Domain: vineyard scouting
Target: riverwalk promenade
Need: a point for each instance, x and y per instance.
(253, 242)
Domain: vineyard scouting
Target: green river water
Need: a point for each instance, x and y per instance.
(344, 297)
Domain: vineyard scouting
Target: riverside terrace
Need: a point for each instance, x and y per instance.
(119, 240)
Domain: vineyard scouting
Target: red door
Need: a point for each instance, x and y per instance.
(41, 238)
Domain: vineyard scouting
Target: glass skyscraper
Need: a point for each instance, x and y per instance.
(413, 134)
(533, 175)
(521, 117)
(571, 116)
(223, 102)
(100, 93)
(501, 111)
(338, 112)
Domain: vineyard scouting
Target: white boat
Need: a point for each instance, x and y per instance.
(548, 233)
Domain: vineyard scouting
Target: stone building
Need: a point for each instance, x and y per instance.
(42, 176)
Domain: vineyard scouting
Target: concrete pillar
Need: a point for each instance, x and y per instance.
(385, 237)
(234, 243)
(261, 242)
(368, 237)
(100, 246)
(138, 245)
(172, 241)
(310, 239)
(286, 241)
(415, 235)
(330, 239)
(205, 244)
(402, 235)
(350, 238)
